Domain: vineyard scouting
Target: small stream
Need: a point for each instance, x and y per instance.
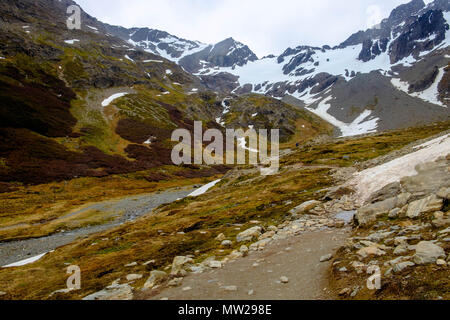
(131, 208)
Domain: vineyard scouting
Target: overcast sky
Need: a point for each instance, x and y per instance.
(266, 26)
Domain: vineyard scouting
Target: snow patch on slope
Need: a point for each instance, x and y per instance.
(204, 189)
(363, 124)
(226, 109)
(155, 61)
(242, 142)
(71, 41)
(108, 101)
(429, 95)
(128, 58)
(26, 261)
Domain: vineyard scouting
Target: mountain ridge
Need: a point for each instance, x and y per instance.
(413, 36)
(85, 103)
(405, 75)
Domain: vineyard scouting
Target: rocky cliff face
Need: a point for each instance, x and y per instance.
(427, 32)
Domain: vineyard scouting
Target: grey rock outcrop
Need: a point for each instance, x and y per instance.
(155, 278)
(428, 252)
(305, 207)
(113, 292)
(369, 214)
(179, 265)
(249, 234)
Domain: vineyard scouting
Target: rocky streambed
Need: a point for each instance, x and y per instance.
(131, 208)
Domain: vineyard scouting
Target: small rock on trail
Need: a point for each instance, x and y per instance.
(326, 258)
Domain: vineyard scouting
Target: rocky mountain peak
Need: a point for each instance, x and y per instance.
(191, 55)
(404, 58)
(406, 10)
(229, 53)
(425, 33)
(399, 17)
(443, 5)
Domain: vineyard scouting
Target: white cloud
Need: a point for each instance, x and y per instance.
(266, 26)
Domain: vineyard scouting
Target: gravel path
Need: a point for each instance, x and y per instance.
(258, 276)
(131, 207)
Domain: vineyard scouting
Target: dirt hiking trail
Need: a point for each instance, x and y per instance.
(258, 276)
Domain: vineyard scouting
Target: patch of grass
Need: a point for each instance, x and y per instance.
(142, 106)
(114, 249)
(95, 129)
(74, 69)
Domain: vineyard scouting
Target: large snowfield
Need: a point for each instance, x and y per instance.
(371, 180)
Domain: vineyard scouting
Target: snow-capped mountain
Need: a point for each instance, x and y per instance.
(412, 31)
(163, 43)
(383, 78)
(393, 75)
(191, 55)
